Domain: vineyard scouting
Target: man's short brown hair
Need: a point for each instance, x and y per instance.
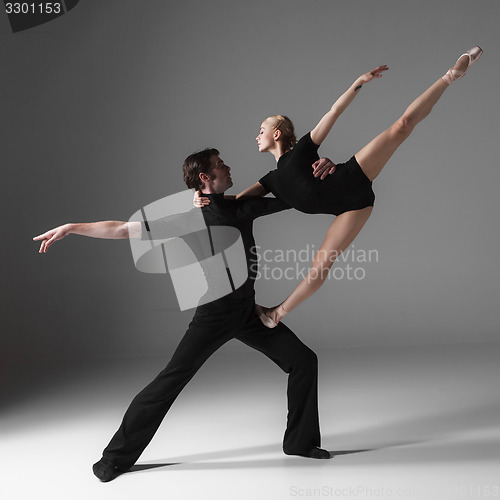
(196, 164)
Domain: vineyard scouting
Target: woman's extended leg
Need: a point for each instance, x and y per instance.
(373, 157)
(339, 236)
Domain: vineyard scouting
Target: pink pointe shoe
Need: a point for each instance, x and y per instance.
(455, 74)
(270, 317)
(266, 320)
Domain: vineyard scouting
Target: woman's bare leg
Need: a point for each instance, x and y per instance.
(339, 236)
(373, 157)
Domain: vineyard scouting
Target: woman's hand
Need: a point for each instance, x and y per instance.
(58, 233)
(323, 167)
(200, 201)
(374, 73)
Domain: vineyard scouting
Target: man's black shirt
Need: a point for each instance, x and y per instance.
(238, 214)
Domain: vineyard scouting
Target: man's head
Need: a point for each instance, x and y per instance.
(207, 172)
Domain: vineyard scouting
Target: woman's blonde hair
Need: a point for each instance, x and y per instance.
(285, 126)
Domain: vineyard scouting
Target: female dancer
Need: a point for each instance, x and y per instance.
(347, 192)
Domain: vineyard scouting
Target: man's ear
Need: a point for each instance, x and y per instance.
(204, 178)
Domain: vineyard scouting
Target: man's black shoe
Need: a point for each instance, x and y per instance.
(106, 472)
(315, 452)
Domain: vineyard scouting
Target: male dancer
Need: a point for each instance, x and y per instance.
(213, 324)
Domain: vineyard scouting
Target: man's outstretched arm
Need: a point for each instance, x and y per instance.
(108, 229)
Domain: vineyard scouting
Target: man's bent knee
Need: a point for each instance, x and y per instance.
(308, 359)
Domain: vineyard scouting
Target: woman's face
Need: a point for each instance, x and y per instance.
(267, 136)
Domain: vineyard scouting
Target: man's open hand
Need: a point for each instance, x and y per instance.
(323, 167)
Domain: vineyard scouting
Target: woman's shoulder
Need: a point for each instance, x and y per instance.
(305, 142)
(305, 138)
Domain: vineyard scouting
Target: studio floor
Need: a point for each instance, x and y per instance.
(401, 422)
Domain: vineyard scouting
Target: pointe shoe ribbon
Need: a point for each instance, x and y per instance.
(455, 74)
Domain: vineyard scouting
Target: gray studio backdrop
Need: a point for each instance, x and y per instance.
(100, 107)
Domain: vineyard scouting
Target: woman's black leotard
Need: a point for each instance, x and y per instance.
(346, 189)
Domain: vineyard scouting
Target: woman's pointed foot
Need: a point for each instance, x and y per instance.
(261, 312)
(462, 65)
(270, 316)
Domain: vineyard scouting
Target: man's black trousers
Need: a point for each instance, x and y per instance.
(212, 326)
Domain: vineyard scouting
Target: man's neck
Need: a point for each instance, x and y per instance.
(209, 191)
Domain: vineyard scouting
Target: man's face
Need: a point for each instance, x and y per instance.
(220, 178)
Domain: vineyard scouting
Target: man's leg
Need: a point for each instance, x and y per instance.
(149, 407)
(281, 345)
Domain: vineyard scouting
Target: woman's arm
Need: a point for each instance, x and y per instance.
(319, 133)
(108, 229)
(253, 192)
(323, 167)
